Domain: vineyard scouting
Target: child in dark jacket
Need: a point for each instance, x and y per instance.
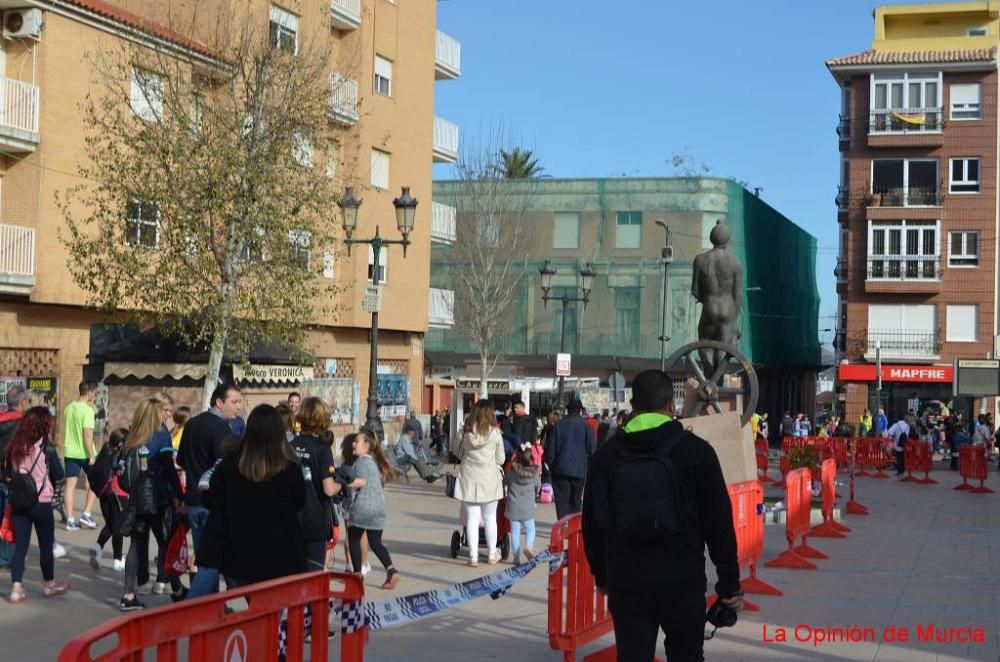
(113, 500)
(523, 482)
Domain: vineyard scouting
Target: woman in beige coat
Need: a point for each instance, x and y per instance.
(480, 479)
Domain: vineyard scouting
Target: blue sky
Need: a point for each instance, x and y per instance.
(615, 87)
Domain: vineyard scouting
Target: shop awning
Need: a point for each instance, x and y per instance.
(123, 370)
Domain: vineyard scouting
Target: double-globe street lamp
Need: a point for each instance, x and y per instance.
(406, 210)
(587, 274)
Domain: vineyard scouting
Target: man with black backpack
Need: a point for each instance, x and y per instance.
(655, 496)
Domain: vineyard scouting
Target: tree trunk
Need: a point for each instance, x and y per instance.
(218, 350)
(483, 393)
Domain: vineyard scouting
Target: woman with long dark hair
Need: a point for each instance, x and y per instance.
(153, 488)
(30, 452)
(256, 494)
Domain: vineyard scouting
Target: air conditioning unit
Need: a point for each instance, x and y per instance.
(22, 24)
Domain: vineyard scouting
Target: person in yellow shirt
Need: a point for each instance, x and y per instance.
(181, 416)
(865, 424)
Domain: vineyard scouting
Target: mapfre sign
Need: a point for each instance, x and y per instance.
(938, 374)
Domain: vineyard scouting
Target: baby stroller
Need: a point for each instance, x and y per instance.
(460, 540)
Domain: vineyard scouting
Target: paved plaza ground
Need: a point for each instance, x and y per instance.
(926, 556)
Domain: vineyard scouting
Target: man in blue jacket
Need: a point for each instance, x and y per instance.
(568, 451)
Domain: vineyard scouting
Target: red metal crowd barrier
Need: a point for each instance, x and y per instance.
(972, 464)
(830, 528)
(852, 507)
(760, 450)
(745, 498)
(798, 491)
(213, 634)
(839, 445)
(917, 457)
(871, 455)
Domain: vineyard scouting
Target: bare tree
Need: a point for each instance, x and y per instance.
(205, 207)
(489, 258)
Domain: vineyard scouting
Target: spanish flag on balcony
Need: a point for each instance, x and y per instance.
(910, 118)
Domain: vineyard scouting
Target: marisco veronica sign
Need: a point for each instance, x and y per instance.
(272, 373)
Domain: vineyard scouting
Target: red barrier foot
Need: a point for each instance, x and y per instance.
(766, 479)
(753, 584)
(750, 606)
(825, 530)
(908, 479)
(963, 486)
(789, 559)
(810, 552)
(855, 508)
(880, 474)
(863, 474)
(839, 527)
(982, 489)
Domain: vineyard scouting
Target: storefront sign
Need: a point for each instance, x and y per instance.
(896, 373)
(976, 377)
(272, 373)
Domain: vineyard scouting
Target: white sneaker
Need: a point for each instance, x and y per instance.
(365, 569)
(96, 554)
(119, 565)
(58, 551)
(160, 588)
(71, 525)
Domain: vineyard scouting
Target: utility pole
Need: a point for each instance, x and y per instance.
(667, 256)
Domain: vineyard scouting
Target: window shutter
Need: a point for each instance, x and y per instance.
(965, 94)
(284, 18)
(566, 231)
(383, 67)
(962, 324)
(380, 169)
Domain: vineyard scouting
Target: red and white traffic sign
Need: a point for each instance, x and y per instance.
(563, 365)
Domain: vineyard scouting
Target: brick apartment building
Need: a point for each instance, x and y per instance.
(385, 59)
(917, 205)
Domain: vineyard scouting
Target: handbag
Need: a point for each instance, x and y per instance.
(7, 527)
(175, 563)
(450, 480)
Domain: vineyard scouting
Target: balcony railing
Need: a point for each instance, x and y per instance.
(906, 120)
(447, 57)
(904, 267)
(445, 141)
(843, 198)
(17, 258)
(885, 196)
(441, 311)
(903, 343)
(840, 271)
(844, 127)
(443, 223)
(343, 99)
(18, 107)
(345, 14)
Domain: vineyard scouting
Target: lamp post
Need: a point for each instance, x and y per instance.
(587, 274)
(666, 256)
(406, 209)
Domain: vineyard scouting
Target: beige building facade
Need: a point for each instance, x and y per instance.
(390, 55)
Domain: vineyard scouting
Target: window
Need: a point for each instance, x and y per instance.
(978, 32)
(627, 317)
(905, 250)
(142, 223)
(330, 160)
(566, 231)
(329, 262)
(383, 76)
(300, 241)
(905, 183)
(284, 30)
(302, 150)
(962, 323)
(628, 229)
(905, 102)
(963, 249)
(380, 169)
(146, 95)
(965, 101)
(964, 175)
(383, 256)
(252, 248)
(903, 330)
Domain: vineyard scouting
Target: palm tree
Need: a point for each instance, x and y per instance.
(519, 164)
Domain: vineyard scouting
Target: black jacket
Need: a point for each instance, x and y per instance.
(706, 518)
(200, 448)
(524, 427)
(569, 447)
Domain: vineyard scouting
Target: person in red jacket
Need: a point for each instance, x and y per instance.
(592, 423)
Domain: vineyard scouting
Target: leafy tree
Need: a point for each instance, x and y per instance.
(203, 208)
(518, 163)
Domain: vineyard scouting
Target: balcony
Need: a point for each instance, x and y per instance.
(345, 14)
(843, 198)
(441, 311)
(17, 259)
(18, 115)
(885, 196)
(840, 271)
(343, 100)
(903, 274)
(903, 345)
(443, 223)
(447, 57)
(445, 141)
(844, 127)
(906, 127)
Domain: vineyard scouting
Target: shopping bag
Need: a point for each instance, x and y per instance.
(176, 562)
(7, 528)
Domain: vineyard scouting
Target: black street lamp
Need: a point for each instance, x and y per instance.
(587, 275)
(406, 209)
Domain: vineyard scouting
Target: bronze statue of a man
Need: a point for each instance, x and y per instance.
(717, 283)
